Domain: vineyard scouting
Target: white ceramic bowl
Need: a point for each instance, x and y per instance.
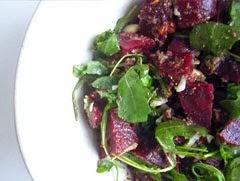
(53, 144)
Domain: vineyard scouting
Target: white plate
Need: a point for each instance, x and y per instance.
(54, 145)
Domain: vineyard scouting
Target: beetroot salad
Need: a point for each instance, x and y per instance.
(163, 91)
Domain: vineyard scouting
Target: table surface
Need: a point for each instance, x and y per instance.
(15, 17)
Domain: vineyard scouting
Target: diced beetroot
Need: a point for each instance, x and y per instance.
(156, 19)
(229, 71)
(197, 101)
(192, 12)
(231, 133)
(134, 43)
(93, 106)
(121, 136)
(178, 47)
(175, 67)
(214, 162)
(154, 156)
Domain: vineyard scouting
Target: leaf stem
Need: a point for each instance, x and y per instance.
(122, 59)
(192, 149)
(211, 154)
(142, 167)
(237, 57)
(103, 129)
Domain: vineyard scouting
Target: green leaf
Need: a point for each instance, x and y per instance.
(96, 68)
(205, 172)
(104, 166)
(166, 131)
(176, 176)
(233, 170)
(92, 68)
(107, 43)
(143, 71)
(229, 152)
(232, 103)
(215, 38)
(133, 103)
(125, 19)
(109, 96)
(106, 82)
(79, 70)
(235, 13)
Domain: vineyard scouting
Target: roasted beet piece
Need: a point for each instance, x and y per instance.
(231, 133)
(178, 47)
(214, 162)
(93, 106)
(176, 63)
(229, 71)
(174, 67)
(154, 156)
(197, 101)
(121, 136)
(156, 19)
(192, 12)
(224, 67)
(148, 149)
(134, 43)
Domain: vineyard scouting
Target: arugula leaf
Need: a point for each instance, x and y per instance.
(232, 103)
(109, 96)
(107, 43)
(215, 38)
(104, 166)
(166, 131)
(79, 70)
(126, 18)
(235, 13)
(176, 176)
(92, 68)
(143, 71)
(106, 82)
(229, 152)
(133, 103)
(233, 173)
(207, 172)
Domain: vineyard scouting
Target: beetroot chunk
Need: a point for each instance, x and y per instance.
(175, 67)
(156, 19)
(192, 12)
(178, 47)
(196, 101)
(93, 106)
(231, 133)
(154, 156)
(176, 63)
(121, 136)
(134, 43)
(229, 71)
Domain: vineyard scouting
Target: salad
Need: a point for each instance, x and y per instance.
(163, 91)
